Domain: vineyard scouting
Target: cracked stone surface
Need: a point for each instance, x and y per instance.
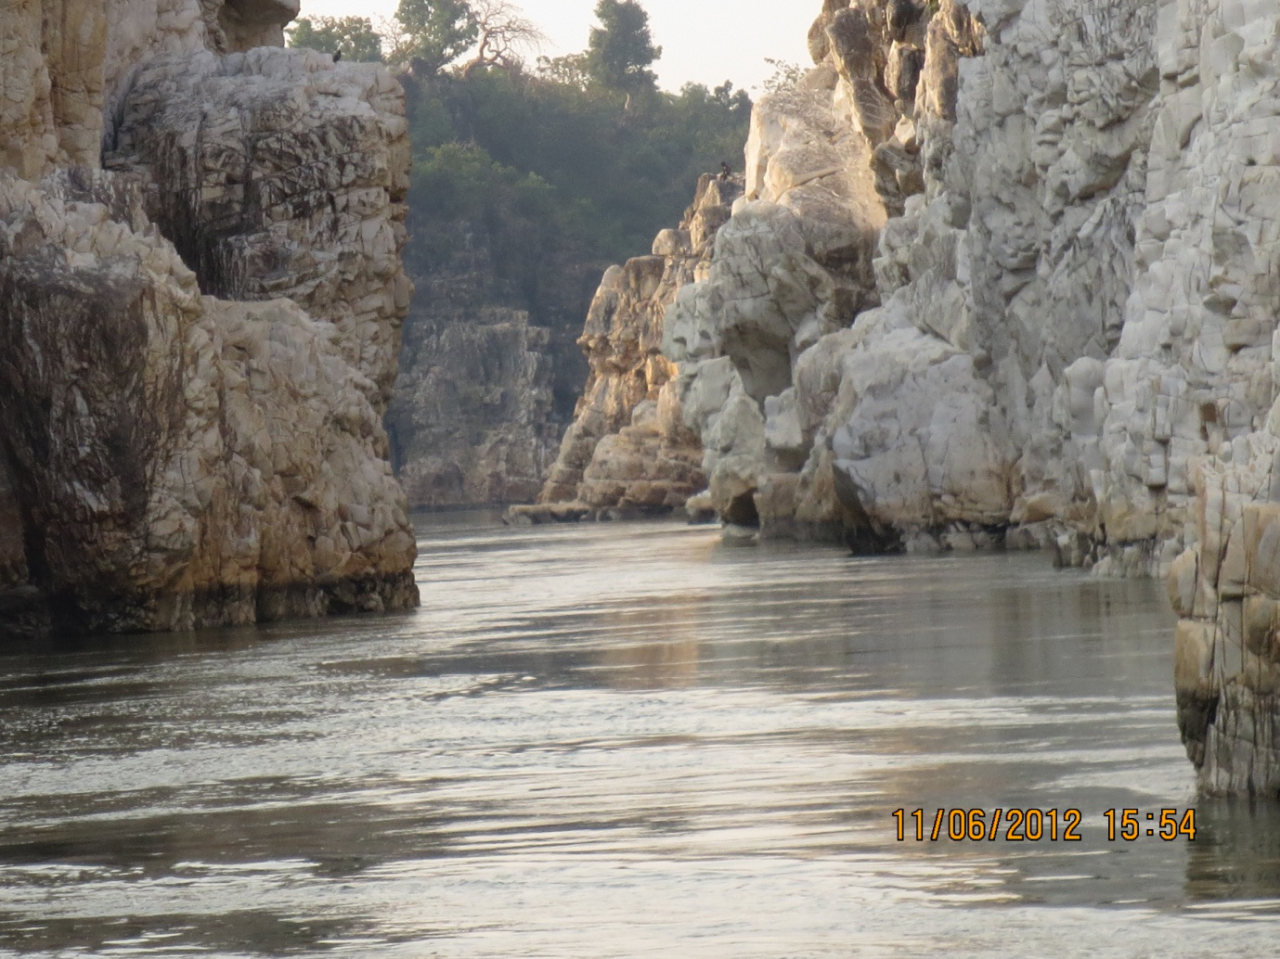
(628, 450)
(1030, 300)
(199, 342)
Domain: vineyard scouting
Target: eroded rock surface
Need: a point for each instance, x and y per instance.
(628, 451)
(827, 163)
(187, 446)
(278, 173)
(471, 419)
(917, 301)
(1005, 274)
(1191, 417)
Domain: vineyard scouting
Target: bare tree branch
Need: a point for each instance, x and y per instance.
(504, 33)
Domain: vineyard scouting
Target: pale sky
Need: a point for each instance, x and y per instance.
(706, 41)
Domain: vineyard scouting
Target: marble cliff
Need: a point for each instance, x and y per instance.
(628, 451)
(471, 417)
(489, 368)
(1005, 272)
(200, 301)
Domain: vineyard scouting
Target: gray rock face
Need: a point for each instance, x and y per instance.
(925, 347)
(471, 417)
(1069, 337)
(489, 368)
(177, 459)
(1190, 411)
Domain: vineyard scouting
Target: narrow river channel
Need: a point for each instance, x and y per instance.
(617, 741)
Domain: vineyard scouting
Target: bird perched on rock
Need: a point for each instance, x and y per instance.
(726, 171)
(337, 55)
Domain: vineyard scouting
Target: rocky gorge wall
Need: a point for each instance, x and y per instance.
(200, 301)
(472, 417)
(1004, 274)
(628, 451)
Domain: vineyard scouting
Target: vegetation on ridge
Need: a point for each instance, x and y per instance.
(529, 179)
(582, 149)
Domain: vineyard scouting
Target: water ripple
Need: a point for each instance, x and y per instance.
(625, 741)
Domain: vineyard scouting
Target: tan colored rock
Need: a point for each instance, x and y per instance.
(51, 56)
(281, 174)
(246, 24)
(182, 461)
(628, 446)
(175, 459)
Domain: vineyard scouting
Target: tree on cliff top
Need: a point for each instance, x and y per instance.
(620, 50)
(435, 32)
(502, 32)
(353, 37)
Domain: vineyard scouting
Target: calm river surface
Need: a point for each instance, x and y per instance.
(617, 741)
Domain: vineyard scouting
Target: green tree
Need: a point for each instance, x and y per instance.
(353, 37)
(436, 32)
(620, 50)
(738, 103)
(569, 70)
(614, 184)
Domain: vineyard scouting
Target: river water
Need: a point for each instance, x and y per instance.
(617, 741)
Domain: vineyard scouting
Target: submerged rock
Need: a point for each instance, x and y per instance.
(198, 344)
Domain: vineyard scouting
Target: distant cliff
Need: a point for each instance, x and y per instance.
(487, 372)
(628, 452)
(200, 301)
(527, 184)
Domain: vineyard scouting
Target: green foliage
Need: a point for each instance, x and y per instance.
(569, 70)
(527, 185)
(353, 37)
(517, 212)
(607, 183)
(620, 50)
(436, 32)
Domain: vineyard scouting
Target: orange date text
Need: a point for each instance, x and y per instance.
(1013, 824)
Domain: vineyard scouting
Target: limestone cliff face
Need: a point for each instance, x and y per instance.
(937, 260)
(628, 451)
(472, 420)
(1192, 415)
(826, 164)
(279, 174)
(199, 341)
(472, 417)
(1005, 272)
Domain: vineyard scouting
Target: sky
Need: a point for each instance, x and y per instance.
(703, 41)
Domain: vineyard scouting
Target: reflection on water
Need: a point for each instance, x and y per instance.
(625, 741)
